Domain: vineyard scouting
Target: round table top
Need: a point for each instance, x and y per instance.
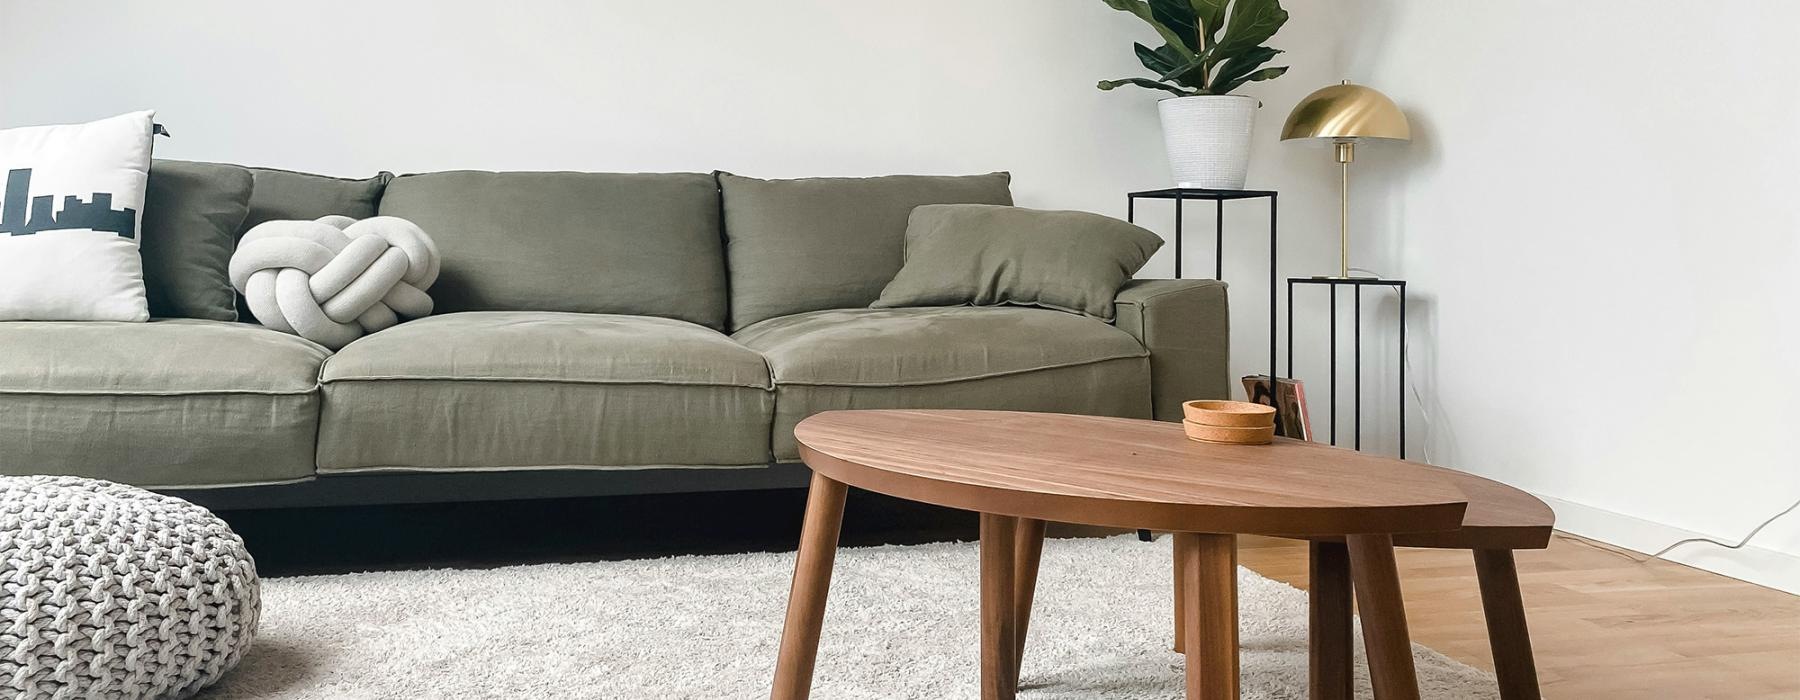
(1122, 472)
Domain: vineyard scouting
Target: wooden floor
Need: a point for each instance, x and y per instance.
(1605, 623)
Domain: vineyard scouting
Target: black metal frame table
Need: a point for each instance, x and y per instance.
(1356, 284)
(1182, 195)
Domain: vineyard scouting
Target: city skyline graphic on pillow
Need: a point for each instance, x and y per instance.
(96, 214)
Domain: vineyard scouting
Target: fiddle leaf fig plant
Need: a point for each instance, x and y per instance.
(1210, 47)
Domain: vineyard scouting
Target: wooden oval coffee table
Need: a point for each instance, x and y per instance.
(1019, 470)
(1500, 519)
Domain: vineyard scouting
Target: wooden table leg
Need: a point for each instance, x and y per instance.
(1504, 607)
(999, 633)
(1331, 663)
(812, 581)
(1210, 611)
(1182, 545)
(1028, 550)
(1385, 638)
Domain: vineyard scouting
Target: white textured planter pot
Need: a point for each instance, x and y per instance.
(1208, 139)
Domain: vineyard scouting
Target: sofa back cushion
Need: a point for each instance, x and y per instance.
(828, 243)
(645, 244)
(285, 194)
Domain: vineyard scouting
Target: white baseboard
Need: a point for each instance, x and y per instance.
(1758, 565)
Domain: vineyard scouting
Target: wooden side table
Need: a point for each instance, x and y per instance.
(1021, 469)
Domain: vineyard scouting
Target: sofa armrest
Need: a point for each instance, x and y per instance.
(1185, 325)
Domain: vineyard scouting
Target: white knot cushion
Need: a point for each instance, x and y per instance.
(110, 591)
(332, 280)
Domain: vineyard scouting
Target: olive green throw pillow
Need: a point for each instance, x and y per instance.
(794, 246)
(983, 255)
(192, 212)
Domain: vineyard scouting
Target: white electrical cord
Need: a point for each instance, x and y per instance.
(1425, 414)
(1740, 545)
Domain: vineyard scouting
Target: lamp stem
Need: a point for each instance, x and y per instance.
(1346, 152)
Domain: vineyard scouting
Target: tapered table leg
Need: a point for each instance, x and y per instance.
(1028, 550)
(1182, 545)
(1210, 612)
(1504, 607)
(999, 633)
(1330, 611)
(1385, 638)
(812, 581)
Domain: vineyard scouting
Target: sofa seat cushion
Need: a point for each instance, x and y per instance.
(957, 357)
(169, 403)
(532, 390)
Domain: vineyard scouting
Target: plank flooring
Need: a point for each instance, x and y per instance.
(1605, 624)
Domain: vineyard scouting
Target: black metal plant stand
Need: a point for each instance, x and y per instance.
(1182, 195)
(1356, 285)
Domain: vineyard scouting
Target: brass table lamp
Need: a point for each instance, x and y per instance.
(1346, 114)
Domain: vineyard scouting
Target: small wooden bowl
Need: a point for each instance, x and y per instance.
(1225, 435)
(1229, 414)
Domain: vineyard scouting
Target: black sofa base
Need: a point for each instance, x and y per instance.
(441, 487)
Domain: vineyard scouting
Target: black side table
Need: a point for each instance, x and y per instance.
(1356, 285)
(1182, 195)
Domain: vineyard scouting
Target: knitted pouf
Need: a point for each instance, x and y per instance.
(109, 591)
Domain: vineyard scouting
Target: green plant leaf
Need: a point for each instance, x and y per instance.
(1143, 83)
(1178, 16)
(1210, 14)
(1222, 87)
(1191, 74)
(1240, 65)
(1266, 74)
(1252, 22)
(1142, 10)
(1160, 60)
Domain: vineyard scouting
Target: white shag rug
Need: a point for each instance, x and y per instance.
(901, 623)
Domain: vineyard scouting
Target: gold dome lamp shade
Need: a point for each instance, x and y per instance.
(1345, 114)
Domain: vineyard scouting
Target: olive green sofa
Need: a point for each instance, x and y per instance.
(594, 333)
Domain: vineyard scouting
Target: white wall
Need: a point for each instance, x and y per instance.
(800, 87)
(1599, 214)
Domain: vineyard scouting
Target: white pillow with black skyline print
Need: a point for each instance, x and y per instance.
(71, 206)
